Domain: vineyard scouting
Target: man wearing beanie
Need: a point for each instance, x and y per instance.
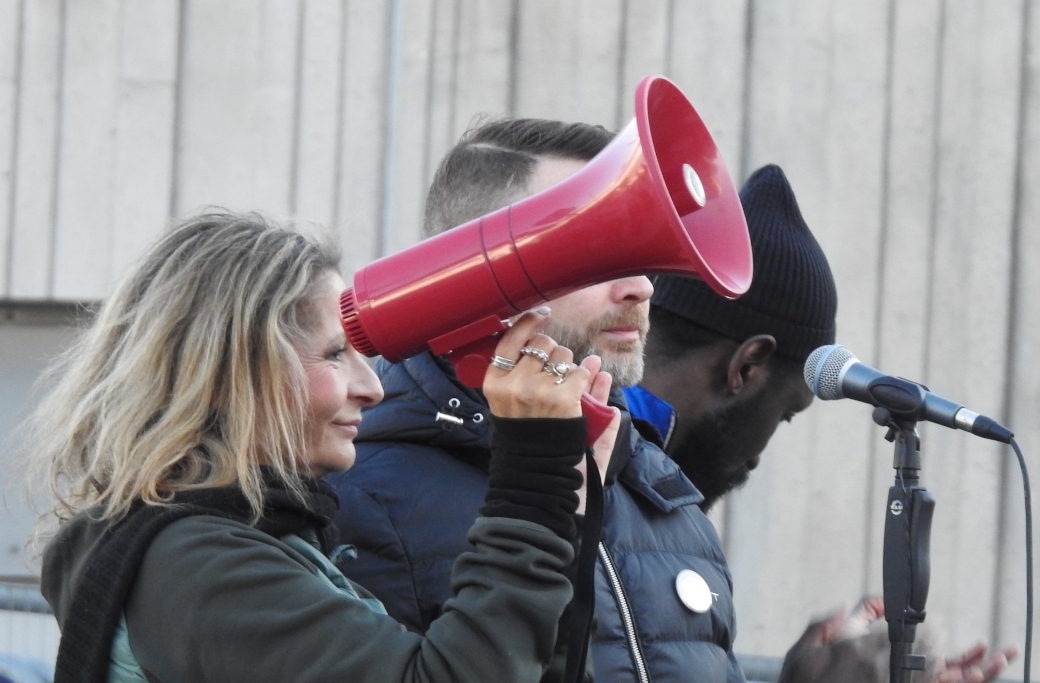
(721, 374)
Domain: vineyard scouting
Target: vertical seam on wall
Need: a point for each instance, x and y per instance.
(59, 120)
(294, 153)
(728, 513)
(514, 57)
(178, 103)
(16, 121)
(831, 79)
(879, 304)
(113, 187)
(1013, 329)
(427, 150)
(453, 78)
(393, 59)
(669, 37)
(745, 95)
(622, 49)
(933, 200)
(341, 101)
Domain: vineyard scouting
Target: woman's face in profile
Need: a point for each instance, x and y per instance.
(339, 383)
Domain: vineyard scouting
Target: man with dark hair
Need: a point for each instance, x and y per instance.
(722, 374)
(663, 600)
(506, 160)
(490, 166)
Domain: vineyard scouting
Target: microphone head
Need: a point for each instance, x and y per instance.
(823, 369)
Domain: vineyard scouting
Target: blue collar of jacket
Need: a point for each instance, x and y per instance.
(647, 470)
(658, 412)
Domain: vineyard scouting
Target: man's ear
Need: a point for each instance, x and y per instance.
(748, 367)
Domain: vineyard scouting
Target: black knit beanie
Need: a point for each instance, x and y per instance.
(792, 295)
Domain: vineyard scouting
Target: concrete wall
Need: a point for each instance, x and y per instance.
(910, 130)
(30, 336)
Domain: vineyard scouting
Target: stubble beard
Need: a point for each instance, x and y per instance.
(623, 360)
(705, 455)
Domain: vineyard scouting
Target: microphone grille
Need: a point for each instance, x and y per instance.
(823, 370)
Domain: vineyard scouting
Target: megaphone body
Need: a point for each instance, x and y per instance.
(657, 199)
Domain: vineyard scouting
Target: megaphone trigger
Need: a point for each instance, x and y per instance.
(470, 348)
(472, 360)
(597, 418)
(476, 334)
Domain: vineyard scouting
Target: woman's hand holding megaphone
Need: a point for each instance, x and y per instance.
(538, 387)
(533, 387)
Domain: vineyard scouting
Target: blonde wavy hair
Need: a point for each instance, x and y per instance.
(188, 378)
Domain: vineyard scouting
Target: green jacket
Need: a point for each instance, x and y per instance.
(216, 600)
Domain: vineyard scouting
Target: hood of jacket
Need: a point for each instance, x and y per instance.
(424, 403)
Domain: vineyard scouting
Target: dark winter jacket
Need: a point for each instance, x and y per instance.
(419, 479)
(210, 598)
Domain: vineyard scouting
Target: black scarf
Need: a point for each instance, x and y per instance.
(110, 572)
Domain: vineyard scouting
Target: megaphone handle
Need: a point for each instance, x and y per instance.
(597, 418)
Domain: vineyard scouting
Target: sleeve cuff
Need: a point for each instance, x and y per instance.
(541, 436)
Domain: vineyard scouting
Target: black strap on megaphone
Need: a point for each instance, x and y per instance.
(584, 601)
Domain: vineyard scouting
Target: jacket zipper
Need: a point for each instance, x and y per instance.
(626, 614)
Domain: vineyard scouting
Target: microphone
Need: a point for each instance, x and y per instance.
(834, 372)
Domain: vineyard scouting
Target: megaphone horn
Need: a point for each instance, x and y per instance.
(657, 199)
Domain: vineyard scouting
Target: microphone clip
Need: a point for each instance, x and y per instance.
(903, 399)
(906, 428)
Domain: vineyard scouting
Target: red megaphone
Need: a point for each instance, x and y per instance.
(657, 199)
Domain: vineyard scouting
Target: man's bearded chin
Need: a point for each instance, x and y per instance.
(705, 460)
(705, 455)
(624, 361)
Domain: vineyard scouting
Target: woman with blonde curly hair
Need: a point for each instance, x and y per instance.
(186, 438)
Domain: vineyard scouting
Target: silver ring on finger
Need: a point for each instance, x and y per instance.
(503, 363)
(536, 352)
(558, 370)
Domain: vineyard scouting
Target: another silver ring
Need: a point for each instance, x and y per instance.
(503, 363)
(536, 352)
(560, 370)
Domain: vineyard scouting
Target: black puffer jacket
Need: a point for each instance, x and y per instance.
(419, 480)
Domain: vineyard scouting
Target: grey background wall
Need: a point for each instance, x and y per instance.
(910, 130)
(25, 351)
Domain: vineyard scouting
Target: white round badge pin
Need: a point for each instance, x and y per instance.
(693, 590)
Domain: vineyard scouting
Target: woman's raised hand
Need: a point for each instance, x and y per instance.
(543, 380)
(533, 376)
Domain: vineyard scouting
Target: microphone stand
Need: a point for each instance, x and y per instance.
(908, 524)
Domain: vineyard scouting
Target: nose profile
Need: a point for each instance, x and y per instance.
(632, 290)
(365, 387)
